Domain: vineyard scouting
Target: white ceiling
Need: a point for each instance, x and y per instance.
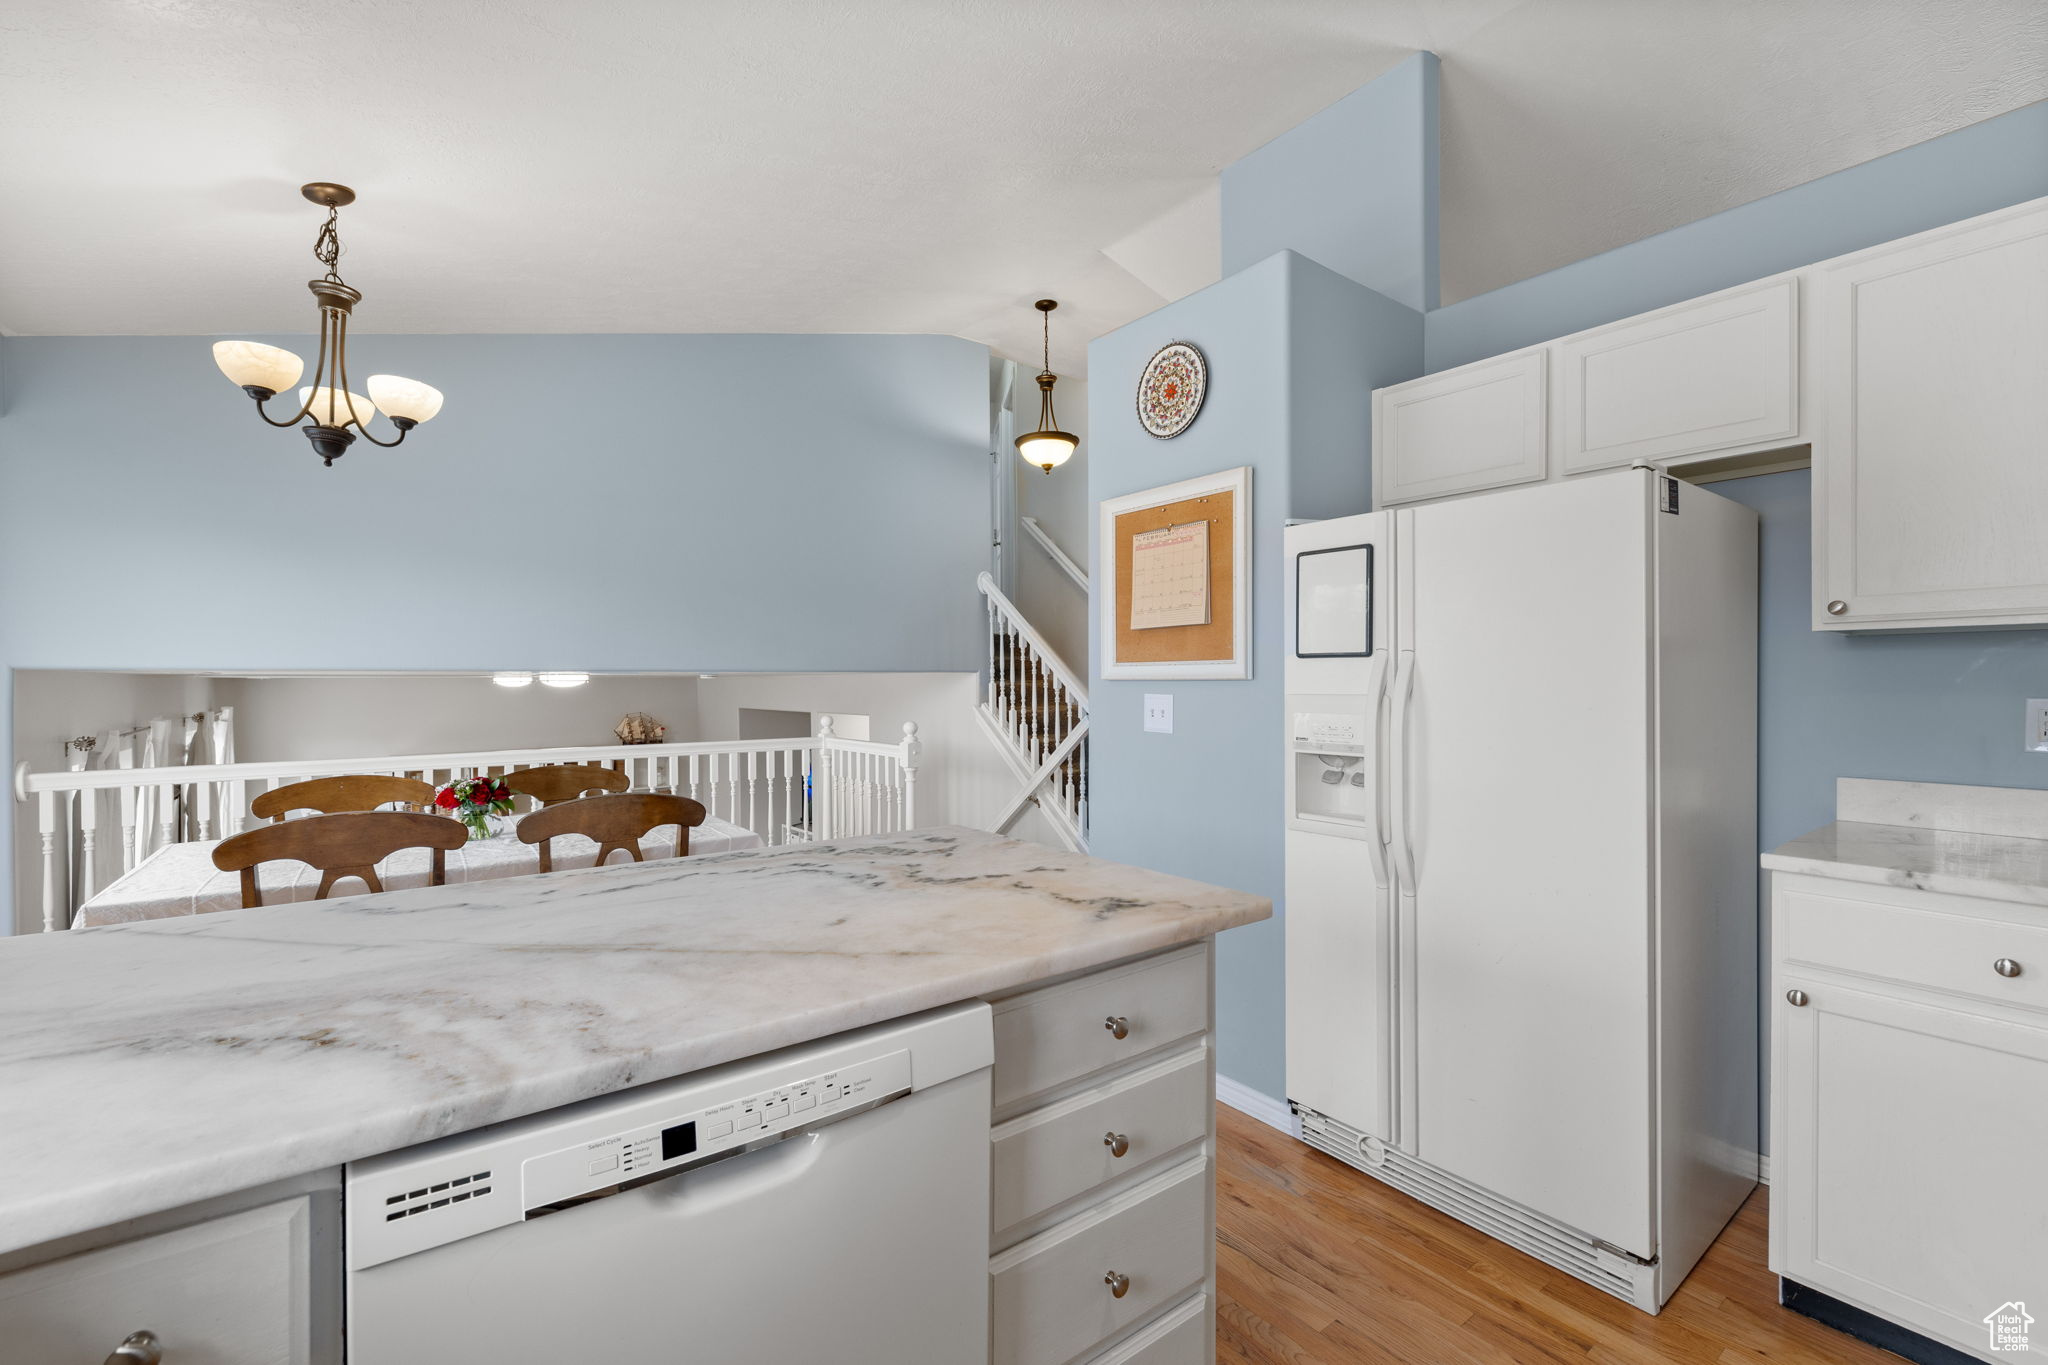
(881, 165)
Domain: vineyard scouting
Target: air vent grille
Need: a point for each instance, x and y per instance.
(442, 1194)
(1551, 1242)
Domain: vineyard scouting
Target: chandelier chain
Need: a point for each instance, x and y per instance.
(327, 246)
(1045, 317)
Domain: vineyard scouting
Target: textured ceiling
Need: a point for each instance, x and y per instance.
(880, 165)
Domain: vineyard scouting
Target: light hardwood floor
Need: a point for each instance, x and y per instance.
(1316, 1262)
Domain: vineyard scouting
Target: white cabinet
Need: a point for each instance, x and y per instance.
(256, 1287)
(1909, 1097)
(1718, 374)
(1930, 508)
(1479, 426)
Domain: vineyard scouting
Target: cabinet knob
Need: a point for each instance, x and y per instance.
(1795, 996)
(1117, 1143)
(1118, 1026)
(1837, 607)
(2005, 966)
(1119, 1285)
(141, 1348)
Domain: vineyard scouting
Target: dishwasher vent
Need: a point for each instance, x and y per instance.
(460, 1190)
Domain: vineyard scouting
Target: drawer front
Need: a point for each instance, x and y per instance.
(1061, 1034)
(1051, 1155)
(1048, 1299)
(1180, 1337)
(1932, 941)
(235, 1290)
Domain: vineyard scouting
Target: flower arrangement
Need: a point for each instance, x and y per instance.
(473, 800)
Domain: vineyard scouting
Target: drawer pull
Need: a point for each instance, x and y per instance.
(2006, 966)
(1119, 1285)
(1118, 1026)
(1117, 1143)
(1795, 996)
(1837, 608)
(140, 1348)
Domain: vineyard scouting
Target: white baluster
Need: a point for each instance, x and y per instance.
(88, 837)
(46, 825)
(752, 813)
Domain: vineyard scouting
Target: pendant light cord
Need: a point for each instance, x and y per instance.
(327, 246)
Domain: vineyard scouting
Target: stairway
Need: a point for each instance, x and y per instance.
(1035, 710)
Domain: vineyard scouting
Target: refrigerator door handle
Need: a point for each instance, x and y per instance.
(1404, 833)
(1373, 766)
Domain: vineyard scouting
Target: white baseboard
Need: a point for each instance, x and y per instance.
(1763, 1169)
(1267, 1110)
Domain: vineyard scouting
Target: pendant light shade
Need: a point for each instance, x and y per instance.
(1048, 447)
(408, 398)
(336, 407)
(253, 365)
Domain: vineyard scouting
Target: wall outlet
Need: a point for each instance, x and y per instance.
(1159, 712)
(2037, 725)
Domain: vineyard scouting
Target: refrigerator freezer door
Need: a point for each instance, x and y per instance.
(1526, 815)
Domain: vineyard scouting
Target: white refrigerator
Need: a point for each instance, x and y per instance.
(1521, 863)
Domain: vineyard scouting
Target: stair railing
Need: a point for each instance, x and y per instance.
(1035, 708)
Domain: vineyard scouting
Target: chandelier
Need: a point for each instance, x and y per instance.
(327, 405)
(1047, 446)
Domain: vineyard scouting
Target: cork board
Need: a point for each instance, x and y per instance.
(1216, 648)
(1180, 644)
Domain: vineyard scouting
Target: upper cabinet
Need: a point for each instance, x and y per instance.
(1479, 426)
(1930, 501)
(1710, 375)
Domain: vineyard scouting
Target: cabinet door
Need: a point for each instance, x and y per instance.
(1479, 426)
(1929, 501)
(244, 1289)
(1715, 374)
(1907, 1171)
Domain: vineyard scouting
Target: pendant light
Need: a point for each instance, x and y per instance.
(327, 404)
(1048, 446)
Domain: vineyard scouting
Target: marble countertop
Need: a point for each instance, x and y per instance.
(1995, 866)
(145, 1066)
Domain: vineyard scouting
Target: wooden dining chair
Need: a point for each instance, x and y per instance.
(565, 781)
(340, 846)
(331, 795)
(615, 822)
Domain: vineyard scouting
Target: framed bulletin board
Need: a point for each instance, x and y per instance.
(1179, 604)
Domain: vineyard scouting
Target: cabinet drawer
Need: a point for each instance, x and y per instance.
(235, 1290)
(1050, 1155)
(1937, 943)
(1179, 1337)
(1048, 1299)
(1061, 1034)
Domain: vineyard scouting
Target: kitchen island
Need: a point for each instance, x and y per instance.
(154, 1067)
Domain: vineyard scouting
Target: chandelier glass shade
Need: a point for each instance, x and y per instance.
(334, 414)
(1047, 447)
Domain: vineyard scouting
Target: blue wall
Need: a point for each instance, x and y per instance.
(1354, 188)
(722, 503)
(1294, 351)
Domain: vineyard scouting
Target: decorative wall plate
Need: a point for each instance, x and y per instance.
(1171, 389)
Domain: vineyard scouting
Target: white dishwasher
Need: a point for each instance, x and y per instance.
(824, 1203)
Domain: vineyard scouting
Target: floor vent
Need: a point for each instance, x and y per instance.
(460, 1190)
(1550, 1242)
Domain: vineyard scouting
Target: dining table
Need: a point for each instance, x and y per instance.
(180, 879)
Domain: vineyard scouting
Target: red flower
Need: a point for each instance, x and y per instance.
(446, 800)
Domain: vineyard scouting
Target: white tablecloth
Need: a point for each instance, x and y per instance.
(180, 879)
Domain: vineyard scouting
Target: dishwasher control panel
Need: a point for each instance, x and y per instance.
(606, 1162)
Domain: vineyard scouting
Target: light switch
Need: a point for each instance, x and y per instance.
(2037, 725)
(1159, 712)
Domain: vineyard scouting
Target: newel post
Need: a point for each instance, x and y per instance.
(822, 775)
(912, 747)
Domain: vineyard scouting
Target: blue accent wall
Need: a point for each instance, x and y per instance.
(1353, 188)
(1294, 351)
(715, 503)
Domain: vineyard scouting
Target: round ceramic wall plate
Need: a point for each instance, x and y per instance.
(1171, 390)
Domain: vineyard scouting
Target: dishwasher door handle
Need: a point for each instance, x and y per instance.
(710, 1159)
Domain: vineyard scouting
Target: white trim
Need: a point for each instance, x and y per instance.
(1236, 481)
(1267, 1110)
(1763, 1168)
(1058, 556)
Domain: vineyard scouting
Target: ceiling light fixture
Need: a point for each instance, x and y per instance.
(512, 679)
(1048, 446)
(331, 409)
(563, 679)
